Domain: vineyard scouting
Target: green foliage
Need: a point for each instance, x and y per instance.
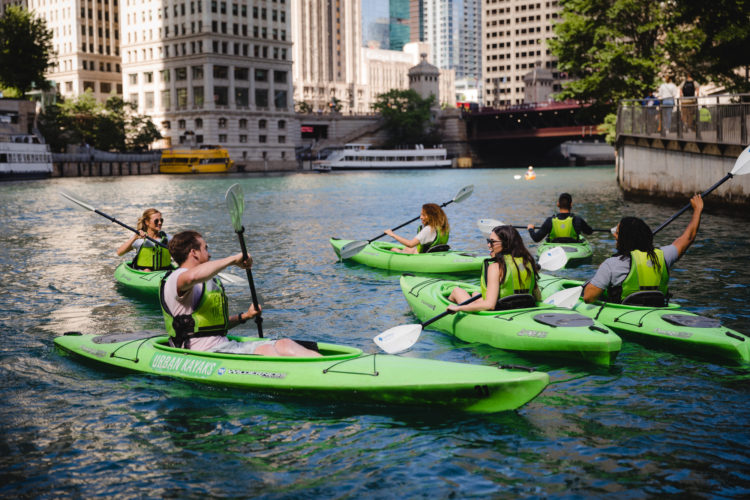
(610, 128)
(113, 126)
(303, 107)
(617, 49)
(610, 49)
(25, 50)
(407, 117)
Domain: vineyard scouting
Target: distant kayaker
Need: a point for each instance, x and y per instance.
(509, 272)
(638, 266)
(563, 227)
(195, 306)
(148, 257)
(434, 231)
(530, 174)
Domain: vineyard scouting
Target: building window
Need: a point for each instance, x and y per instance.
(221, 96)
(262, 139)
(148, 77)
(199, 123)
(282, 139)
(133, 97)
(181, 124)
(241, 97)
(180, 73)
(221, 72)
(166, 125)
(148, 101)
(222, 137)
(197, 72)
(261, 75)
(198, 97)
(222, 123)
(243, 122)
(241, 73)
(132, 78)
(182, 98)
(262, 124)
(243, 138)
(261, 98)
(166, 99)
(282, 124)
(280, 99)
(164, 75)
(104, 87)
(279, 76)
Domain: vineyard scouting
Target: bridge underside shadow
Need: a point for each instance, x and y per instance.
(538, 151)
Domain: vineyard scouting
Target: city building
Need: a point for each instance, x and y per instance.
(452, 28)
(327, 54)
(86, 41)
(514, 37)
(214, 73)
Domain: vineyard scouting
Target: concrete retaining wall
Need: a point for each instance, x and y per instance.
(676, 170)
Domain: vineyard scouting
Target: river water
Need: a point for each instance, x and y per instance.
(654, 424)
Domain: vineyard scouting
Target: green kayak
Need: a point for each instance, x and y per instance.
(378, 254)
(577, 253)
(342, 374)
(669, 327)
(543, 330)
(137, 281)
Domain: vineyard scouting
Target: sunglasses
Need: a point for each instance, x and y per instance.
(492, 242)
(158, 221)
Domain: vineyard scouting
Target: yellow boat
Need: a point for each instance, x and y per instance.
(206, 160)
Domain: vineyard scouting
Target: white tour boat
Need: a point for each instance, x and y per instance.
(23, 156)
(361, 157)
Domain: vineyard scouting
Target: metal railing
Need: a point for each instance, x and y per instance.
(721, 119)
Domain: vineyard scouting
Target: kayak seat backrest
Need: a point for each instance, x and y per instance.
(518, 301)
(438, 248)
(648, 298)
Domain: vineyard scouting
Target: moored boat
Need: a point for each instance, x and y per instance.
(23, 156)
(670, 327)
(543, 330)
(576, 252)
(206, 160)
(379, 254)
(363, 157)
(341, 374)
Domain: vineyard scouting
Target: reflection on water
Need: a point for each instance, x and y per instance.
(654, 423)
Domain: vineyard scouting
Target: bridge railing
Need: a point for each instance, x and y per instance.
(722, 119)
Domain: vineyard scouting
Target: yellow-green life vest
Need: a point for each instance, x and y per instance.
(152, 256)
(440, 239)
(518, 278)
(211, 316)
(644, 275)
(562, 229)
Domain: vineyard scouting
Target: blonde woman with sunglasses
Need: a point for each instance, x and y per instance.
(149, 256)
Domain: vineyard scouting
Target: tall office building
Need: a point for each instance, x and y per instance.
(85, 37)
(515, 34)
(452, 29)
(398, 25)
(375, 25)
(213, 72)
(328, 55)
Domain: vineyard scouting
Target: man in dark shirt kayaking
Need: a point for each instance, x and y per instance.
(564, 227)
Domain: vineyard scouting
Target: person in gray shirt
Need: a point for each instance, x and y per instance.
(633, 234)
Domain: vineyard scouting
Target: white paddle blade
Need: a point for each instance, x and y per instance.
(567, 298)
(399, 338)
(77, 201)
(236, 205)
(742, 165)
(351, 249)
(463, 193)
(487, 225)
(553, 259)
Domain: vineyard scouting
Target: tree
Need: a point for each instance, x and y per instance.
(25, 50)
(710, 40)
(610, 48)
(406, 116)
(113, 126)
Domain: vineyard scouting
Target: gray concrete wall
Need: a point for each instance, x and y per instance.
(672, 169)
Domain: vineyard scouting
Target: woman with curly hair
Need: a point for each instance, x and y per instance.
(434, 231)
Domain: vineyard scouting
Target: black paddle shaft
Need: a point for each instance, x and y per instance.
(703, 195)
(447, 312)
(258, 317)
(593, 229)
(407, 223)
(149, 238)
